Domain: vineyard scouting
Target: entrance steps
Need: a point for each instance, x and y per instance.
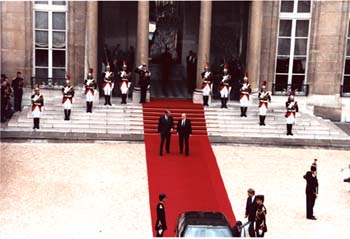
(115, 119)
(228, 123)
(127, 122)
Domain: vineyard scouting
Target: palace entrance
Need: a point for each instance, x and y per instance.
(173, 33)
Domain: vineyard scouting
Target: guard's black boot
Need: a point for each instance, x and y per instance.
(261, 120)
(109, 100)
(242, 111)
(68, 114)
(91, 103)
(87, 106)
(65, 114)
(226, 99)
(222, 103)
(106, 99)
(38, 123)
(245, 111)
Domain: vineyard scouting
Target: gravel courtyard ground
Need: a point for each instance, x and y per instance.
(100, 190)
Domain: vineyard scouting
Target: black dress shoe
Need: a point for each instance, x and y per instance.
(312, 218)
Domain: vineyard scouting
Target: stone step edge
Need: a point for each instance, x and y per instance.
(272, 141)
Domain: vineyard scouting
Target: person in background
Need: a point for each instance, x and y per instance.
(67, 100)
(260, 217)
(244, 97)
(237, 229)
(161, 226)
(264, 99)
(250, 211)
(311, 190)
(90, 86)
(17, 85)
(37, 107)
(144, 81)
(292, 108)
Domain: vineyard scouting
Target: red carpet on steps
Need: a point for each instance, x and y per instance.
(191, 183)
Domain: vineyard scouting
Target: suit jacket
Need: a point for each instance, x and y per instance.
(250, 209)
(185, 130)
(164, 126)
(161, 217)
(311, 183)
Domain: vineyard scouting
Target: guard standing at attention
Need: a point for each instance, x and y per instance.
(37, 107)
(245, 96)
(67, 100)
(207, 85)
(161, 226)
(264, 99)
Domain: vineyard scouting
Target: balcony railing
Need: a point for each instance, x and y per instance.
(345, 90)
(284, 89)
(47, 82)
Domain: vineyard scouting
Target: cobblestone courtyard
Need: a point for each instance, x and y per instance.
(100, 190)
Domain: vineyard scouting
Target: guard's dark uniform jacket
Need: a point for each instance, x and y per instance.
(160, 226)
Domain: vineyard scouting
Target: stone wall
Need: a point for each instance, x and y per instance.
(16, 39)
(77, 11)
(327, 46)
(269, 43)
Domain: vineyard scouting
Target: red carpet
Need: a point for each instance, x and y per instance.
(191, 183)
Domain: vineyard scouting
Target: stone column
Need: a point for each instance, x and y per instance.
(142, 32)
(203, 46)
(92, 36)
(142, 42)
(254, 43)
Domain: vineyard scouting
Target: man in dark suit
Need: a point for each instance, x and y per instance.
(250, 211)
(161, 219)
(311, 191)
(17, 85)
(165, 126)
(184, 129)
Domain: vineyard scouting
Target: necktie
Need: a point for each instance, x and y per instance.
(183, 123)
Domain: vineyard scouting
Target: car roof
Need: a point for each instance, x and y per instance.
(205, 218)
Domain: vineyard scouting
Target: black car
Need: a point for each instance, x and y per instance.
(202, 224)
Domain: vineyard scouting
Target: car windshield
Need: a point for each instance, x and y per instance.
(207, 231)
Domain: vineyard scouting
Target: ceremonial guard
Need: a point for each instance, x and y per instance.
(292, 108)
(225, 87)
(207, 85)
(37, 107)
(67, 100)
(245, 96)
(161, 226)
(124, 85)
(264, 98)
(108, 85)
(260, 218)
(90, 86)
(311, 190)
(144, 81)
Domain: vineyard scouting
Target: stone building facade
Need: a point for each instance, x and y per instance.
(298, 44)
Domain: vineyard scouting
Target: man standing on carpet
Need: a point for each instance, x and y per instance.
(184, 129)
(250, 211)
(165, 126)
(161, 221)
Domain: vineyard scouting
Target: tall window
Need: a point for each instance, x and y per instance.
(346, 79)
(293, 44)
(50, 39)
